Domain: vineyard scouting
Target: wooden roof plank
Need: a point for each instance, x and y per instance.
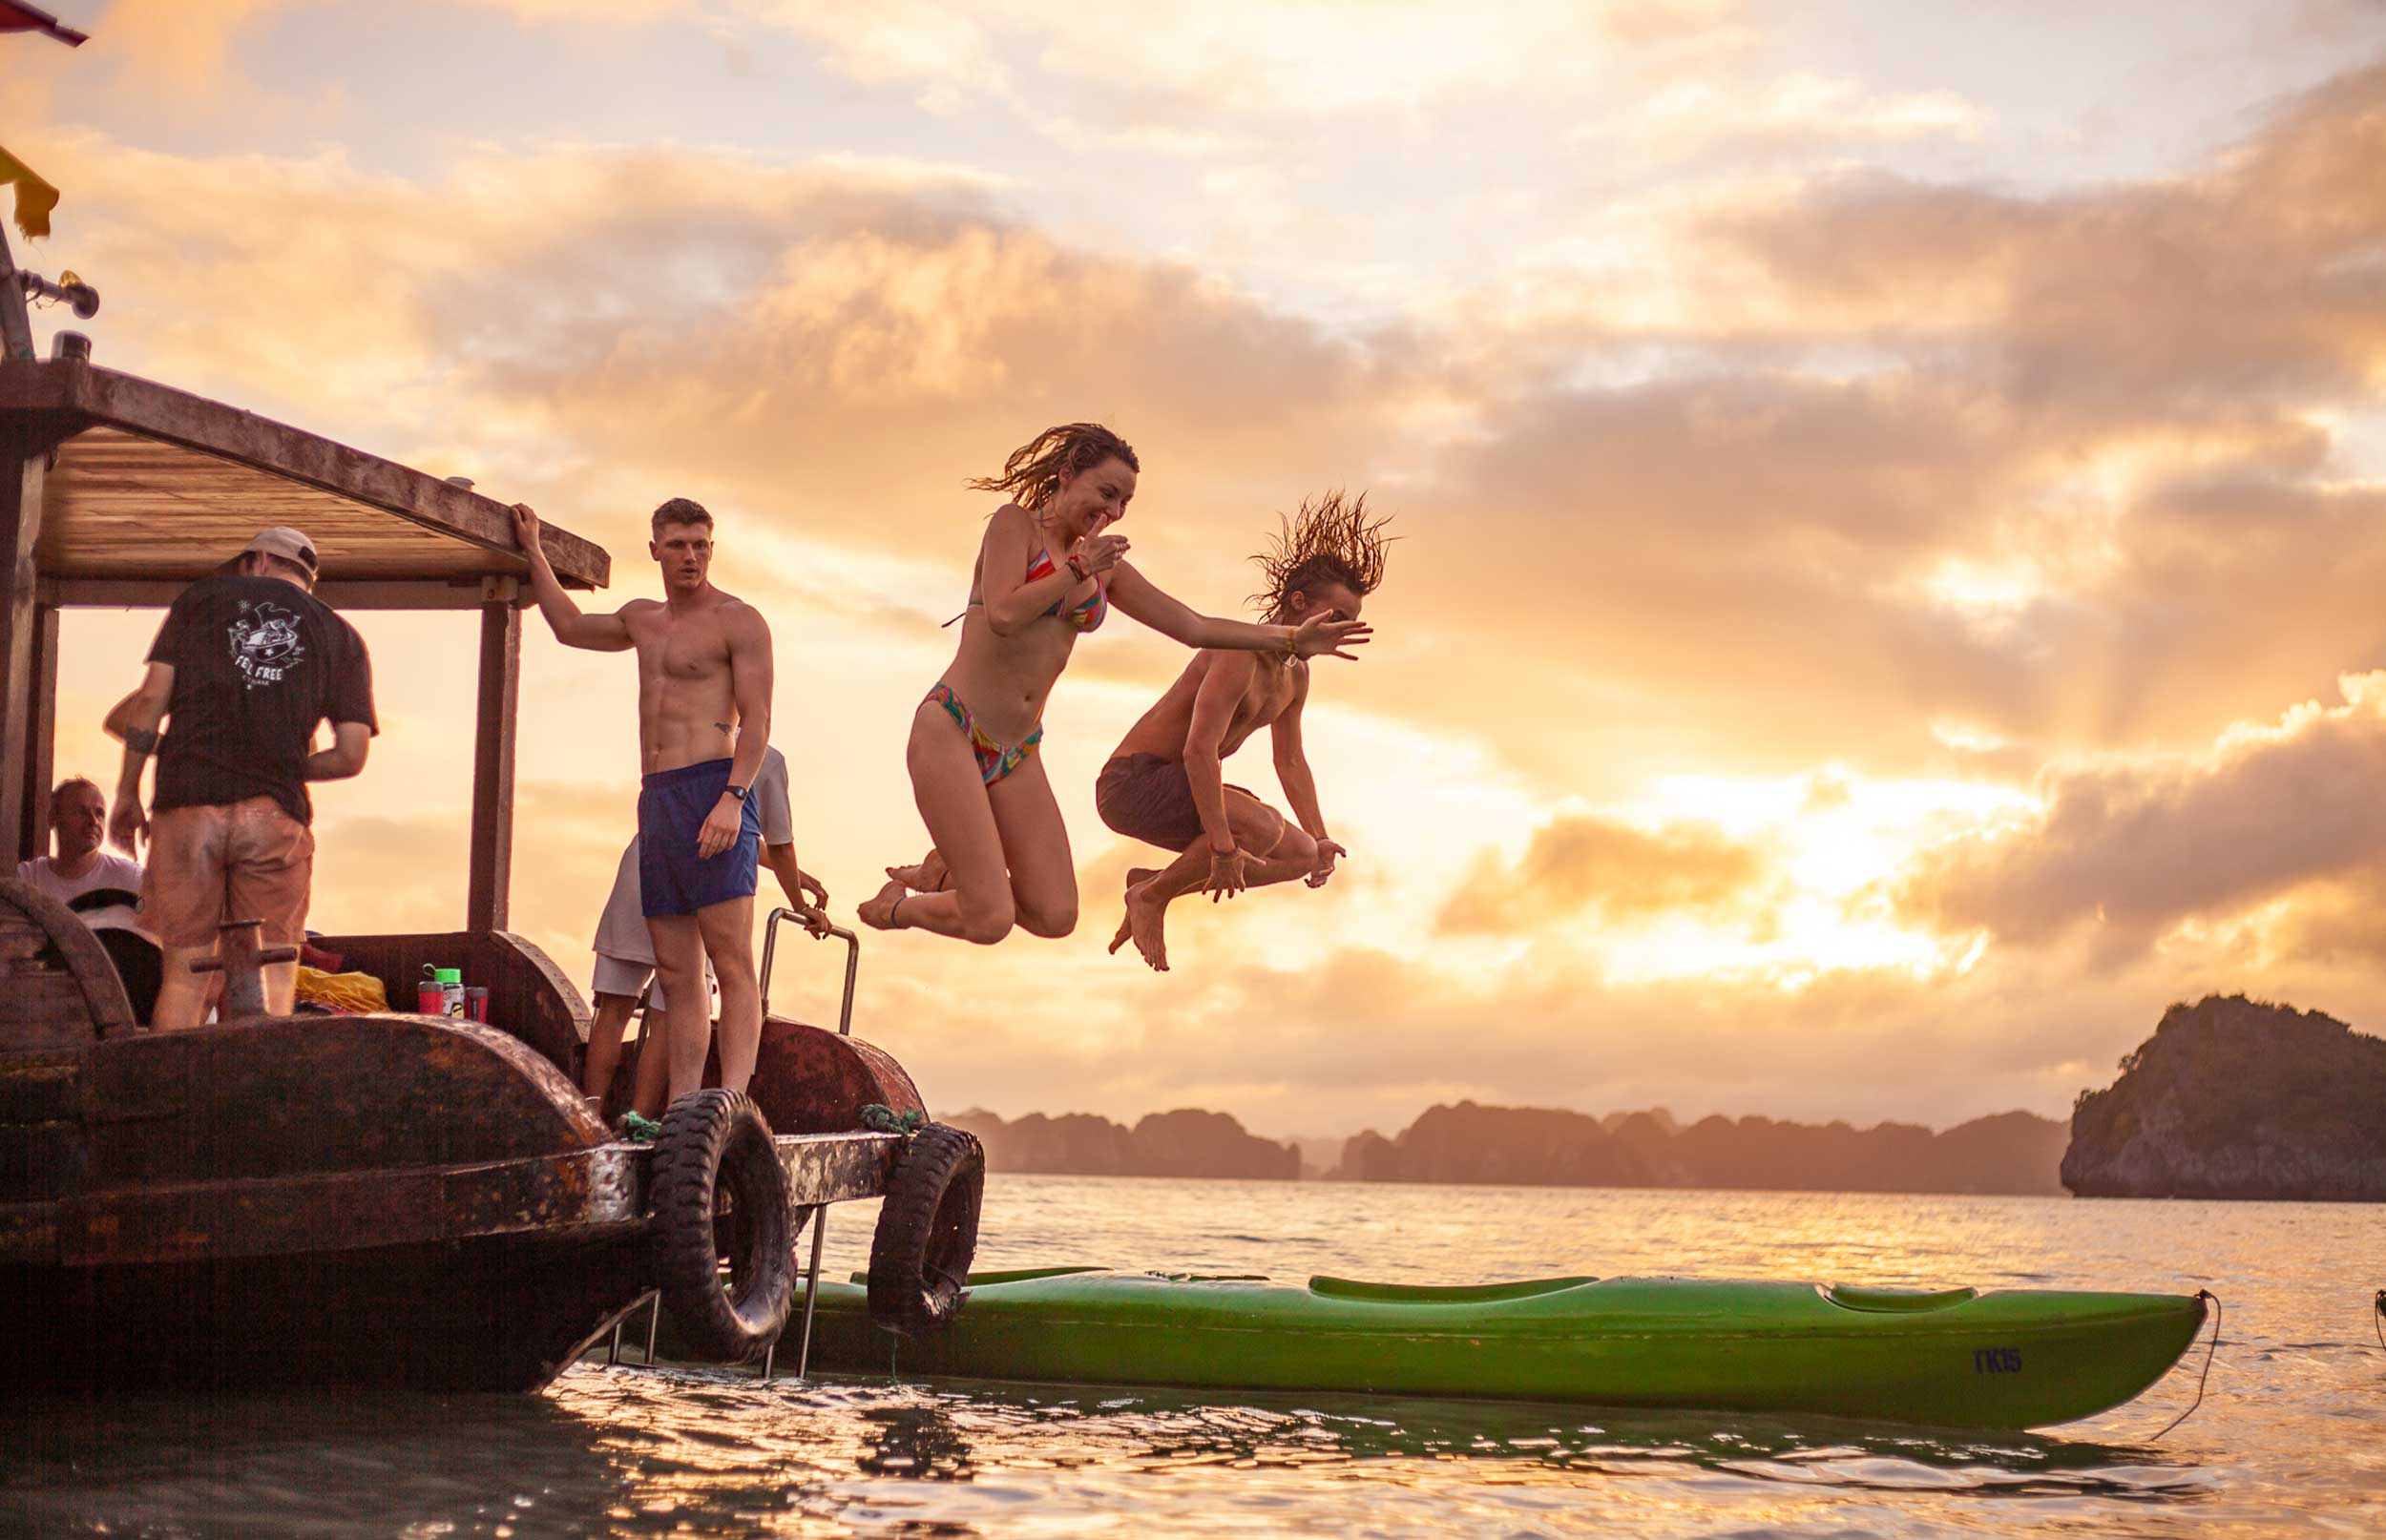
(88, 397)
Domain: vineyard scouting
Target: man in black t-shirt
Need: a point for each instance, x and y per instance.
(245, 666)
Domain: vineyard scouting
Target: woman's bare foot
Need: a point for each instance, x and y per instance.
(1135, 877)
(927, 875)
(878, 912)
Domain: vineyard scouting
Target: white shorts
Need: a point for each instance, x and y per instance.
(628, 976)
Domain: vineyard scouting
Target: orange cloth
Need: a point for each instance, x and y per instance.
(358, 992)
(34, 197)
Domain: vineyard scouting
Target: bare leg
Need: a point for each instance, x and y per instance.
(1283, 851)
(604, 1044)
(653, 1078)
(1035, 846)
(181, 995)
(728, 932)
(955, 804)
(687, 1017)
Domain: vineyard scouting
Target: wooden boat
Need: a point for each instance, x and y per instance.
(390, 1197)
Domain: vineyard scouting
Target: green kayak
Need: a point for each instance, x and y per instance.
(1957, 1357)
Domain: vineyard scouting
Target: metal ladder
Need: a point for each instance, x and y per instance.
(820, 1210)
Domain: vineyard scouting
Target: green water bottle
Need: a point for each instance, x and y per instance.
(451, 982)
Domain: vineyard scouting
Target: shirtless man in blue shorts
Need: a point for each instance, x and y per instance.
(704, 720)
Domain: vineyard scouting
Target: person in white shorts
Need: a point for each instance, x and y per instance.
(625, 953)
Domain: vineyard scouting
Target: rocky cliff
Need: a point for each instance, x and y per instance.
(2233, 1098)
(1184, 1143)
(2010, 1153)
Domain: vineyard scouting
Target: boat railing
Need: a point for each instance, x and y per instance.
(853, 962)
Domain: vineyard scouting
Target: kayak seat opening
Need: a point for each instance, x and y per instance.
(1017, 1275)
(1344, 1288)
(1851, 1297)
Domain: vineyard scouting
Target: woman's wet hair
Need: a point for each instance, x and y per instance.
(1329, 540)
(1032, 472)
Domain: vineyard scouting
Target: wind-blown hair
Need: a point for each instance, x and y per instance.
(1329, 540)
(1032, 472)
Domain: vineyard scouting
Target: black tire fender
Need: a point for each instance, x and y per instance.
(920, 1255)
(715, 1145)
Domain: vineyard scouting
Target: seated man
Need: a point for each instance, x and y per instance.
(103, 889)
(625, 951)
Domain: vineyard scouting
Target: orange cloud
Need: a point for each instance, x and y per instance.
(1580, 864)
(2136, 848)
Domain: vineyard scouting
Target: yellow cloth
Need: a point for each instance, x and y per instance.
(34, 197)
(342, 992)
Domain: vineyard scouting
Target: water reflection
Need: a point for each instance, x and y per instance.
(931, 1428)
(2286, 1442)
(632, 1454)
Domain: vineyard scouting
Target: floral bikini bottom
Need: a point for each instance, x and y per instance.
(995, 761)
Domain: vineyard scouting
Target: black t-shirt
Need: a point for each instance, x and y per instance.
(257, 663)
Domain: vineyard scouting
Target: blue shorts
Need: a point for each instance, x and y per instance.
(672, 807)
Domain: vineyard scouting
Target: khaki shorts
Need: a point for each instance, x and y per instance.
(250, 860)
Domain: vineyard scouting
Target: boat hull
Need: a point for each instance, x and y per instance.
(2011, 1358)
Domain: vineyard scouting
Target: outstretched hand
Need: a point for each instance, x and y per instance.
(1225, 874)
(1322, 634)
(1323, 867)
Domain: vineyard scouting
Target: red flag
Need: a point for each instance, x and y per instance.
(16, 16)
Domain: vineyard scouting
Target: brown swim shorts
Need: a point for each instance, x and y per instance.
(250, 860)
(1147, 798)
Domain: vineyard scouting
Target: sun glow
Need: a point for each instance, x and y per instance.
(1832, 842)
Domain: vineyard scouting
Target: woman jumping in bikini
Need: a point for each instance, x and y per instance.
(1046, 573)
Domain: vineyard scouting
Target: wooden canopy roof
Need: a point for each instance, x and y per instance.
(154, 487)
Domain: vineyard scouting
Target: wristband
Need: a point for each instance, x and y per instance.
(1077, 566)
(141, 741)
(738, 792)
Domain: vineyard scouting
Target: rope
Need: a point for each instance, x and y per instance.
(2379, 1320)
(2209, 1354)
(881, 1118)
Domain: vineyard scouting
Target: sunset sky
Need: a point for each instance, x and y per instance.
(1892, 496)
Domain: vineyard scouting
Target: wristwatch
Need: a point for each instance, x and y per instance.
(738, 792)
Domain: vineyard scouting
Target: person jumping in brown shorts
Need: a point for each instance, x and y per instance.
(1165, 785)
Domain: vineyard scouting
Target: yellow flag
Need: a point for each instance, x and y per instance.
(34, 197)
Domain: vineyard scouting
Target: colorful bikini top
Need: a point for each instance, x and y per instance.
(1085, 616)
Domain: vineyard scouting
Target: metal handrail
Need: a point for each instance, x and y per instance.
(853, 962)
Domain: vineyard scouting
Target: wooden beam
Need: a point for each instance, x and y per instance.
(493, 768)
(156, 593)
(41, 740)
(23, 459)
(103, 397)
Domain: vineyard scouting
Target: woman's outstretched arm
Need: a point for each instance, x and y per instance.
(1146, 601)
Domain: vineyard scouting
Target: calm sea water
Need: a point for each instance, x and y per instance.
(2290, 1438)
